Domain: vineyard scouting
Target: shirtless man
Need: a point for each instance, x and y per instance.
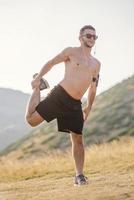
(64, 101)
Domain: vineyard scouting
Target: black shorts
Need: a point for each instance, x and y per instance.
(58, 104)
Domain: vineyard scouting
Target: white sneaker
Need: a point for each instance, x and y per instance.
(80, 180)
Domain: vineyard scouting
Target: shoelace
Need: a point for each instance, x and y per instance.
(82, 177)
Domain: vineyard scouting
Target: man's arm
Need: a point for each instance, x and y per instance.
(62, 57)
(91, 93)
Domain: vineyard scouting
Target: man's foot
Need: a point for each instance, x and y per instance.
(43, 83)
(80, 180)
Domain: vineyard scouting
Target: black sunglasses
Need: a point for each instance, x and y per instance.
(89, 36)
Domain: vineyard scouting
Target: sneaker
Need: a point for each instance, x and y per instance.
(80, 180)
(43, 83)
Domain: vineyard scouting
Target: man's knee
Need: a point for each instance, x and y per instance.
(34, 119)
(77, 139)
(31, 121)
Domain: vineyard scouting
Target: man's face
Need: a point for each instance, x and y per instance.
(87, 38)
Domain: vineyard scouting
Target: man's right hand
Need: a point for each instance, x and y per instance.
(35, 83)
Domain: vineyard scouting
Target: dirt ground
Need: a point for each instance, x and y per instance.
(114, 186)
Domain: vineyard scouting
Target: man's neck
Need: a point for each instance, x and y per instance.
(86, 51)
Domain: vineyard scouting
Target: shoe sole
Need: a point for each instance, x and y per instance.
(78, 185)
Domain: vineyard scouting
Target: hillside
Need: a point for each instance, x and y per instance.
(12, 109)
(112, 116)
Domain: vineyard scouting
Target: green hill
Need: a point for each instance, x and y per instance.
(12, 110)
(112, 116)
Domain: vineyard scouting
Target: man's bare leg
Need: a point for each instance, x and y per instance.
(78, 152)
(32, 116)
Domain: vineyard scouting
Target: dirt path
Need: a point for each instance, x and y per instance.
(101, 187)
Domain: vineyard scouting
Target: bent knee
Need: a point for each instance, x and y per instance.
(32, 120)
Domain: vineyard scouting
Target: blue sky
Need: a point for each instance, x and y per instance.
(34, 31)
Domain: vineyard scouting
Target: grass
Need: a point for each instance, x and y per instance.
(109, 167)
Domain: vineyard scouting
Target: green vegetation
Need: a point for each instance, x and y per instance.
(112, 116)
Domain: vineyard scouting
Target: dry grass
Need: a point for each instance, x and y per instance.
(108, 157)
(110, 168)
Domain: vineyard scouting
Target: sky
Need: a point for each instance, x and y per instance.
(34, 31)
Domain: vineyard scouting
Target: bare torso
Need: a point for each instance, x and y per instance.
(79, 72)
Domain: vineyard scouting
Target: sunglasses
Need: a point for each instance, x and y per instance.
(89, 36)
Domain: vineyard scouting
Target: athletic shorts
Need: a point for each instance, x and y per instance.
(58, 104)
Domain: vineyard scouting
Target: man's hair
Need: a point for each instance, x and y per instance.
(86, 27)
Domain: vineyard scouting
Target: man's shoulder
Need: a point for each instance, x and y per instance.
(97, 65)
(68, 50)
(97, 62)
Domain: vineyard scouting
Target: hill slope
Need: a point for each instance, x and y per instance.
(12, 109)
(112, 116)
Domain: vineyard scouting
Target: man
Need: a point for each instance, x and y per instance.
(64, 101)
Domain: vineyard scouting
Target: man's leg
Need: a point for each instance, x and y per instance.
(78, 152)
(32, 116)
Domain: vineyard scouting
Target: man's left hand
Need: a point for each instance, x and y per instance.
(86, 111)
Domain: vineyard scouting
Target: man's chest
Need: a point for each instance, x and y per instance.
(82, 65)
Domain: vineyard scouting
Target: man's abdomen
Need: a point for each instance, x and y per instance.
(76, 88)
